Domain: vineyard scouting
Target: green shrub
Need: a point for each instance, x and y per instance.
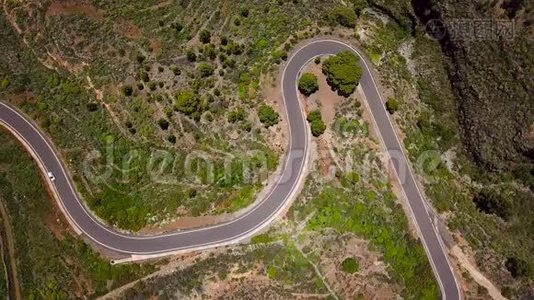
(268, 116)
(191, 55)
(343, 72)
(308, 84)
(209, 51)
(359, 6)
(317, 125)
(127, 90)
(236, 115)
(187, 102)
(205, 36)
(205, 69)
(163, 124)
(350, 265)
(392, 105)
(517, 267)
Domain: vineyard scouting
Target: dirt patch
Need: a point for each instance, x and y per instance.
(184, 223)
(9, 242)
(58, 8)
(155, 44)
(53, 222)
(57, 57)
(129, 29)
(325, 161)
(465, 258)
(19, 99)
(277, 135)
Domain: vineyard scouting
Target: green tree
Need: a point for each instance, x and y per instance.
(205, 36)
(344, 16)
(317, 125)
(187, 102)
(392, 105)
(343, 72)
(308, 84)
(350, 265)
(268, 116)
(205, 69)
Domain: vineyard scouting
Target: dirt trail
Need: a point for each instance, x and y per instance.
(464, 261)
(13, 282)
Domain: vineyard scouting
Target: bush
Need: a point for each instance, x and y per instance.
(343, 72)
(350, 265)
(127, 90)
(4, 84)
(392, 105)
(205, 36)
(187, 102)
(516, 267)
(177, 26)
(163, 124)
(143, 75)
(205, 69)
(172, 139)
(359, 6)
(191, 55)
(236, 115)
(209, 51)
(176, 70)
(92, 106)
(490, 202)
(317, 125)
(308, 84)
(268, 116)
(344, 16)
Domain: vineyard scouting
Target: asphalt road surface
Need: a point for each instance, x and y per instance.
(275, 200)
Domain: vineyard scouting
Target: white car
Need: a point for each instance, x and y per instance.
(51, 176)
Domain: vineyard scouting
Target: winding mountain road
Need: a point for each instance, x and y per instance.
(275, 201)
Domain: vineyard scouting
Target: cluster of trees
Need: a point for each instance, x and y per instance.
(268, 116)
(308, 84)
(343, 15)
(317, 125)
(343, 72)
(347, 15)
